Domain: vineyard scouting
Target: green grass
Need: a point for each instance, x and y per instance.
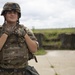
(50, 34)
(58, 31)
(53, 33)
(41, 52)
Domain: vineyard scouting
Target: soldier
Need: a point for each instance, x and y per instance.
(15, 42)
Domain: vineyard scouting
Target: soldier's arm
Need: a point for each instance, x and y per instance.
(30, 39)
(32, 44)
(3, 39)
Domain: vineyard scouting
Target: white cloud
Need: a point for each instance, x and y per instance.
(46, 13)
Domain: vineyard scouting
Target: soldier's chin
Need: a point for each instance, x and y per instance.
(12, 21)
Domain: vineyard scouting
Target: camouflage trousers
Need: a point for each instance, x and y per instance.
(12, 73)
(29, 70)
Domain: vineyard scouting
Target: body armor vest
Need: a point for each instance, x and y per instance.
(14, 52)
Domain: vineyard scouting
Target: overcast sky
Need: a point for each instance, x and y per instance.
(45, 13)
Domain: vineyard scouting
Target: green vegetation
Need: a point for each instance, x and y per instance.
(50, 37)
(55, 31)
(41, 52)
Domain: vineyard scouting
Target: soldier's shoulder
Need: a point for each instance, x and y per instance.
(26, 28)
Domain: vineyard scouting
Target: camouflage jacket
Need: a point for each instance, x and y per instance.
(15, 51)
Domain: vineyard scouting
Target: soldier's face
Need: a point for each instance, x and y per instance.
(11, 16)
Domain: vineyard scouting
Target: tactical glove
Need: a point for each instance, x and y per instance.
(8, 30)
(20, 31)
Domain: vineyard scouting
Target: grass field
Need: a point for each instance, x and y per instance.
(51, 34)
(58, 31)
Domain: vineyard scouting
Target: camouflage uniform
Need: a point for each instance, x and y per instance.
(14, 54)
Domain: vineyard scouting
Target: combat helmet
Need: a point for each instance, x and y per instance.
(11, 6)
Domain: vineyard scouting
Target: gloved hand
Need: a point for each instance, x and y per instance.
(8, 30)
(20, 31)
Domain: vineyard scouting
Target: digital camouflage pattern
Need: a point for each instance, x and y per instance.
(28, 70)
(11, 6)
(15, 53)
(12, 73)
